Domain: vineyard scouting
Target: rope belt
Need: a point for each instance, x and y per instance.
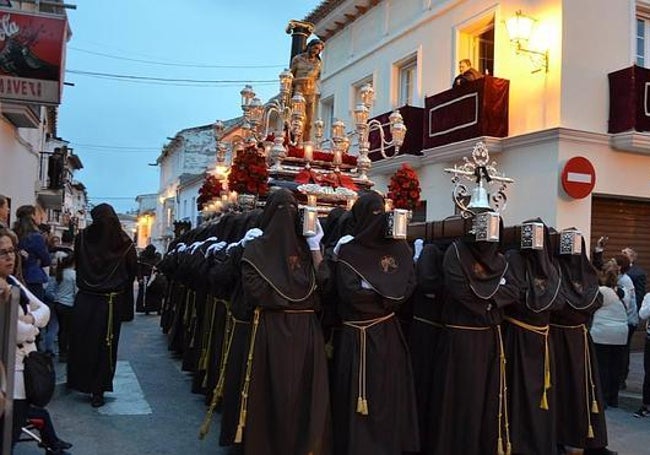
(503, 421)
(243, 406)
(589, 377)
(298, 311)
(362, 327)
(543, 331)
(428, 322)
(109, 329)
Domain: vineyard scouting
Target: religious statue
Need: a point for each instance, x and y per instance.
(305, 68)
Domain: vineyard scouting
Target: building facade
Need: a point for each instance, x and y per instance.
(31, 171)
(559, 100)
(189, 153)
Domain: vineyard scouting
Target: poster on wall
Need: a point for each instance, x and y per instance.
(31, 57)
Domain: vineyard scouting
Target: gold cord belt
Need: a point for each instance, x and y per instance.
(589, 376)
(503, 421)
(543, 331)
(109, 329)
(362, 327)
(427, 321)
(243, 405)
(298, 311)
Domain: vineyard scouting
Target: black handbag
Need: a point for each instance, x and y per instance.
(40, 378)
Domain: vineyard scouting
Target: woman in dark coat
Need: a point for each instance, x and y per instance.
(106, 268)
(373, 396)
(285, 395)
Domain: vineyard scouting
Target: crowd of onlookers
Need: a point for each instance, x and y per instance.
(625, 306)
(73, 292)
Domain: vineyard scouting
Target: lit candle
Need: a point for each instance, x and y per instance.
(388, 205)
(338, 157)
(232, 197)
(311, 200)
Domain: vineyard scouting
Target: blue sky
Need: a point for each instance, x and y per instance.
(117, 126)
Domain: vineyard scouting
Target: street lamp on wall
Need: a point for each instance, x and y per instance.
(520, 28)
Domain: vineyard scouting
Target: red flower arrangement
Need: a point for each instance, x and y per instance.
(404, 188)
(210, 189)
(248, 173)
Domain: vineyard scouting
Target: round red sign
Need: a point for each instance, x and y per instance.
(578, 177)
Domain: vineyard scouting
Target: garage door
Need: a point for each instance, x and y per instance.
(626, 222)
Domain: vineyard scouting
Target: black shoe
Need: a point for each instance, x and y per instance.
(642, 412)
(97, 400)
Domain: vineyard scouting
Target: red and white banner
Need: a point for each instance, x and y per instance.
(31, 56)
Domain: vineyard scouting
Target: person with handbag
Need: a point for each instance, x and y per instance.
(106, 269)
(32, 316)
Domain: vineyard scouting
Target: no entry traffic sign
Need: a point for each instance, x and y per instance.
(578, 177)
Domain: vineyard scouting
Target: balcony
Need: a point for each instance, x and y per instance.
(629, 109)
(477, 108)
(413, 119)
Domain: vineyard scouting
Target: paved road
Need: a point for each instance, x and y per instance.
(152, 410)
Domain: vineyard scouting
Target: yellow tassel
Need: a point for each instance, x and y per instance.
(509, 449)
(500, 447)
(365, 407)
(594, 407)
(590, 432)
(239, 435)
(360, 405)
(547, 379)
(544, 403)
(205, 427)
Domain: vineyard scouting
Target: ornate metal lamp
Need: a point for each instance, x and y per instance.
(484, 207)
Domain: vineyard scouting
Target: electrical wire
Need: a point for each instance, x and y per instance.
(185, 65)
(162, 79)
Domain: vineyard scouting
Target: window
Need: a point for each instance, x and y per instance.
(641, 32)
(476, 43)
(407, 81)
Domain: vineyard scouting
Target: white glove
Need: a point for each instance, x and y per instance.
(251, 234)
(342, 241)
(214, 248)
(366, 285)
(314, 240)
(231, 246)
(417, 249)
(195, 245)
(182, 247)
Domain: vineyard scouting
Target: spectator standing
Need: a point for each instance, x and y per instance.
(63, 289)
(609, 331)
(466, 73)
(626, 285)
(644, 313)
(637, 274)
(33, 249)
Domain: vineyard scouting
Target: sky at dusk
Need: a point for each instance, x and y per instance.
(118, 118)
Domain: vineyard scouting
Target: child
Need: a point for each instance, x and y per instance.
(64, 292)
